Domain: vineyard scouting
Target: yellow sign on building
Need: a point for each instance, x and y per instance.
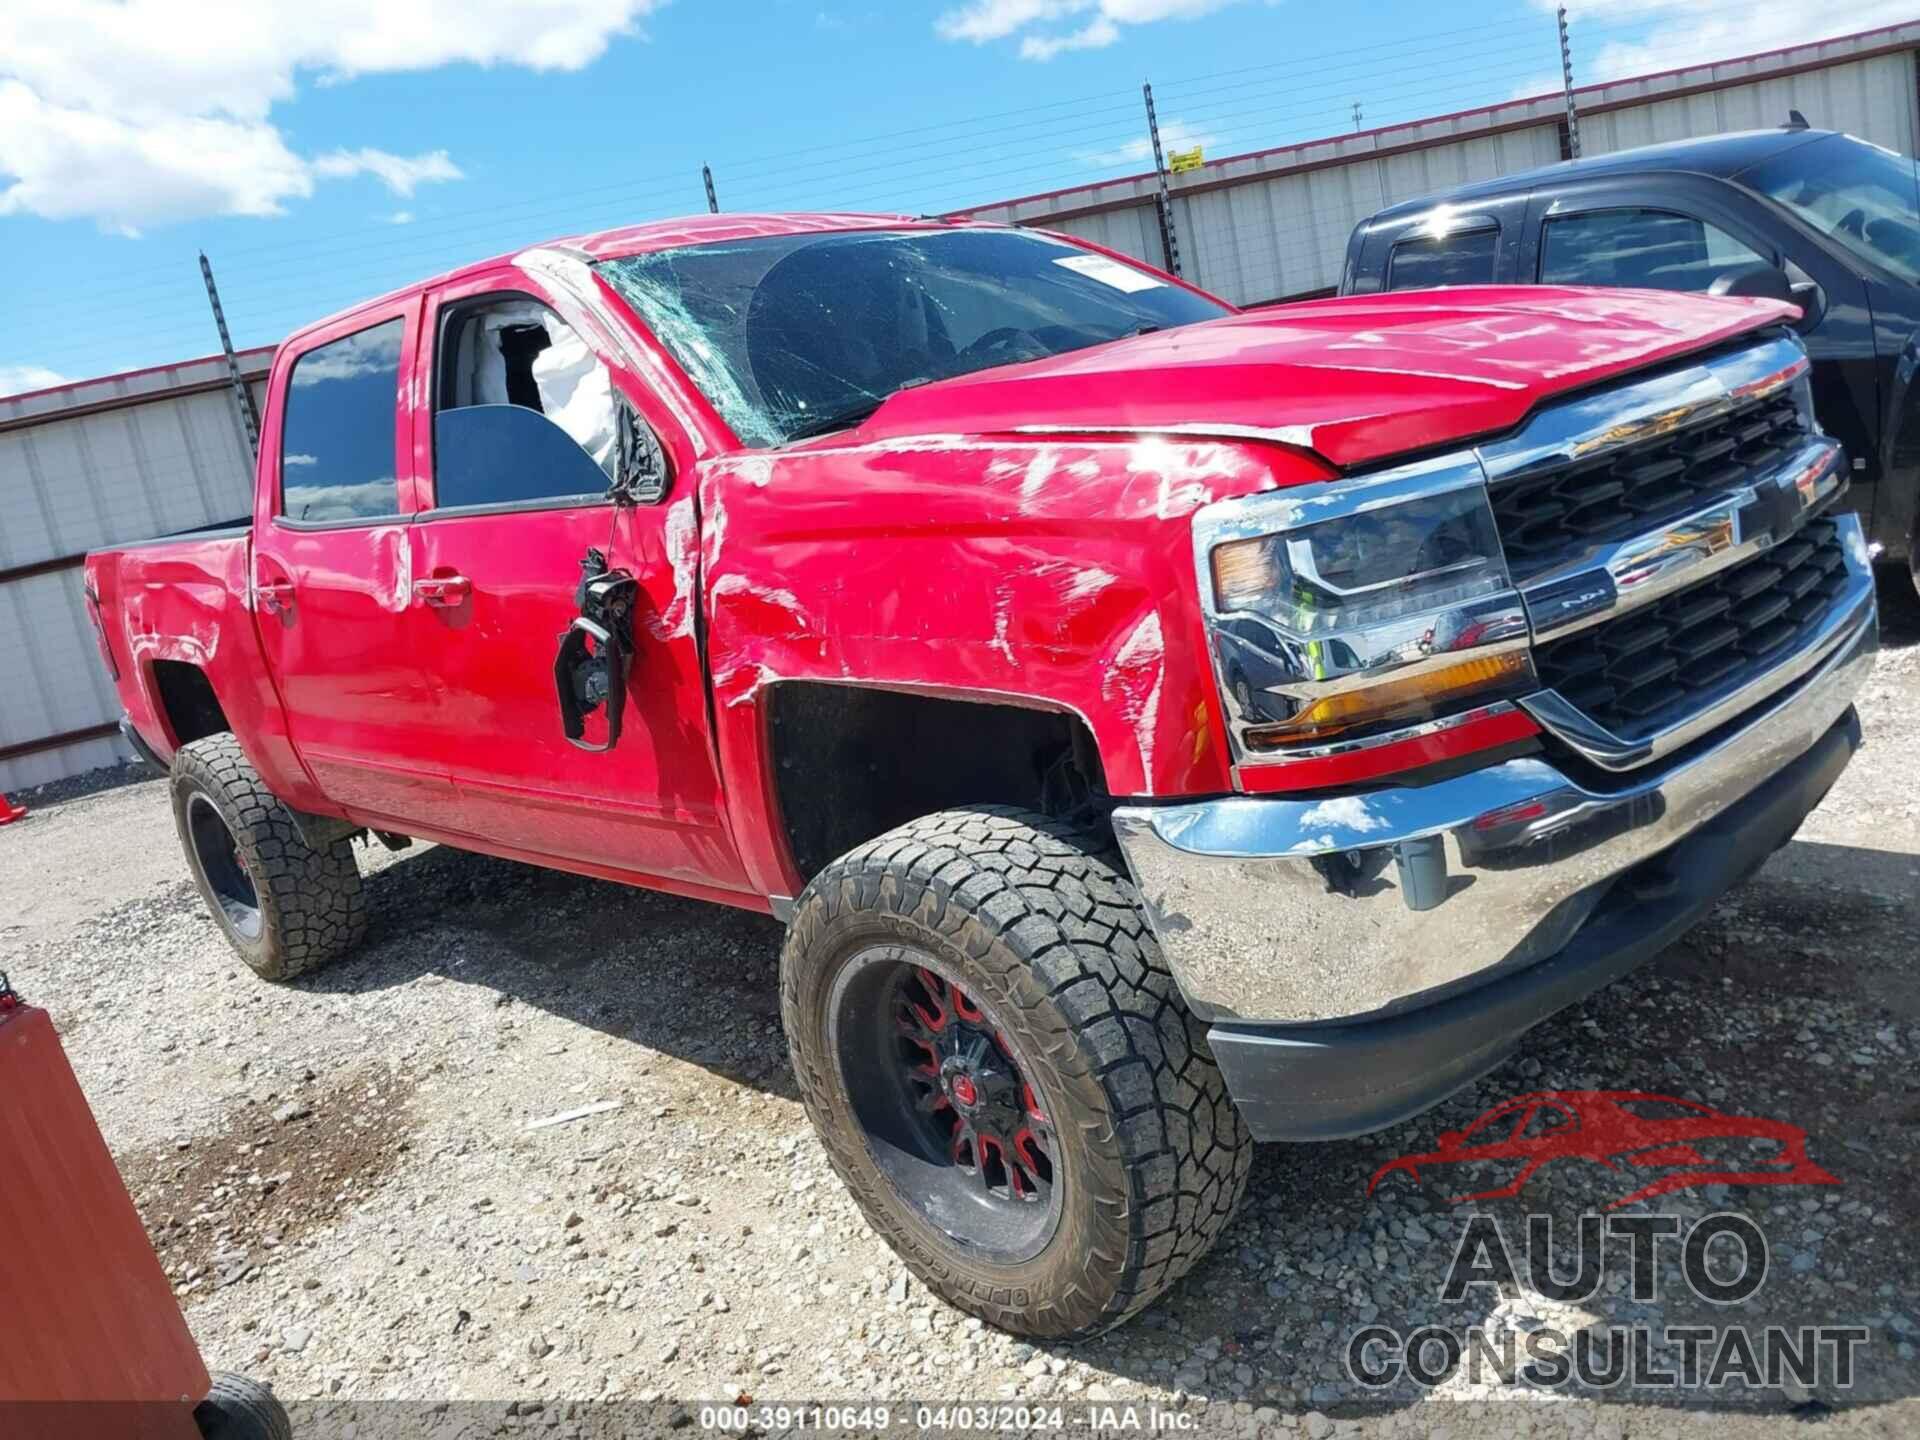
(1178, 160)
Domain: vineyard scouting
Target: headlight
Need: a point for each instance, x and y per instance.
(1357, 609)
(1400, 559)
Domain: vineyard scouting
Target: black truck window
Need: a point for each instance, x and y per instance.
(1646, 249)
(1464, 258)
(337, 442)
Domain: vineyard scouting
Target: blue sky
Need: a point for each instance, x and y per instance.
(324, 150)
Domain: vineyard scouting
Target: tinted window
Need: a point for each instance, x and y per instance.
(1462, 259)
(1649, 249)
(1856, 194)
(794, 335)
(501, 454)
(337, 442)
(526, 410)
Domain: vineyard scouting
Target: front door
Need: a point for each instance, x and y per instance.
(522, 442)
(332, 581)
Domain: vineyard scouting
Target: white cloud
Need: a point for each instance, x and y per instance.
(1096, 34)
(19, 379)
(1047, 28)
(1174, 135)
(399, 173)
(399, 217)
(1672, 34)
(139, 112)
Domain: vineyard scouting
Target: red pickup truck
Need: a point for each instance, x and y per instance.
(1160, 727)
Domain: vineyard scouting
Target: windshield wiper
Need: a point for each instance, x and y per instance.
(836, 419)
(852, 415)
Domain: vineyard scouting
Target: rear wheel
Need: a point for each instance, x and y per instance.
(284, 905)
(1002, 1071)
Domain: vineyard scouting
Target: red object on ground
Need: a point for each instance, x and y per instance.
(10, 812)
(92, 1341)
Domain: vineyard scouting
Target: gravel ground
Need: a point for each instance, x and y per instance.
(339, 1175)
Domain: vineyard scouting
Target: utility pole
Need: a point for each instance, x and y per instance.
(242, 395)
(1356, 116)
(1566, 83)
(713, 200)
(1169, 239)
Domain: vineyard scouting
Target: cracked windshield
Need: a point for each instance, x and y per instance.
(791, 336)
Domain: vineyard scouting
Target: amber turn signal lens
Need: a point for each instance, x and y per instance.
(1406, 701)
(1244, 573)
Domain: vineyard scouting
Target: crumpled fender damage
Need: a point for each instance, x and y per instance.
(1056, 574)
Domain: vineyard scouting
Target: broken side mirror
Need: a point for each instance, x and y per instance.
(641, 469)
(590, 668)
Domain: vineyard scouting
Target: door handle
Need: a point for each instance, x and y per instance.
(444, 590)
(275, 595)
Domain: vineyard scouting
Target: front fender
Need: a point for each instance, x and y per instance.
(1052, 573)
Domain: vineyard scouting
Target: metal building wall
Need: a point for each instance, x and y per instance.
(1133, 231)
(98, 463)
(1872, 98)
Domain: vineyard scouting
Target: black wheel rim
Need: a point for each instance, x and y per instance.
(217, 854)
(947, 1108)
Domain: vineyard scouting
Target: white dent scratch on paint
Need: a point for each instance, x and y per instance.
(1088, 582)
(714, 532)
(738, 584)
(723, 682)
(1002, 621)
(1141, 654)
(391, 555)
(1039, 471)
(757, 471)
(682, 544)
(1181, 472)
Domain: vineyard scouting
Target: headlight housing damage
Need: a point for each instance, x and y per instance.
(1349, 613)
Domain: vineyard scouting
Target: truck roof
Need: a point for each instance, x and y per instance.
(1722, 156)
(656, 235)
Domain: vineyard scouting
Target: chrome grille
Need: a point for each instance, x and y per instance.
(1639, 673)
(1548, 518)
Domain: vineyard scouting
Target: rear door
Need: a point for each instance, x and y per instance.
(332, 581)
(518, 447)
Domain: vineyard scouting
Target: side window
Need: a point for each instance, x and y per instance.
(337, 440)
(525, 411)
(1465, 258)
(1650, 249)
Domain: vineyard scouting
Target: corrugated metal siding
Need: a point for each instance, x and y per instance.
(76, 484)
(70, 483)
(1872, 98)
(1268, 239)
(1134, 231)
(47, 642)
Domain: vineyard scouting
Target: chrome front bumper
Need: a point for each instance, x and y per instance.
(1345, 907)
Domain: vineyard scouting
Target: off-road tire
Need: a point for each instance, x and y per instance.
(241, 1409)
(311, 905)
(1040, 924)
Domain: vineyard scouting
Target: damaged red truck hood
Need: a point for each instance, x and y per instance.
(1354, 380)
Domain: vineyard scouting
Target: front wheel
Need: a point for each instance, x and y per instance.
(1002, 1071)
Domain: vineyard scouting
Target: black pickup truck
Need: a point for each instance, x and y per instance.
(1823, 219)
